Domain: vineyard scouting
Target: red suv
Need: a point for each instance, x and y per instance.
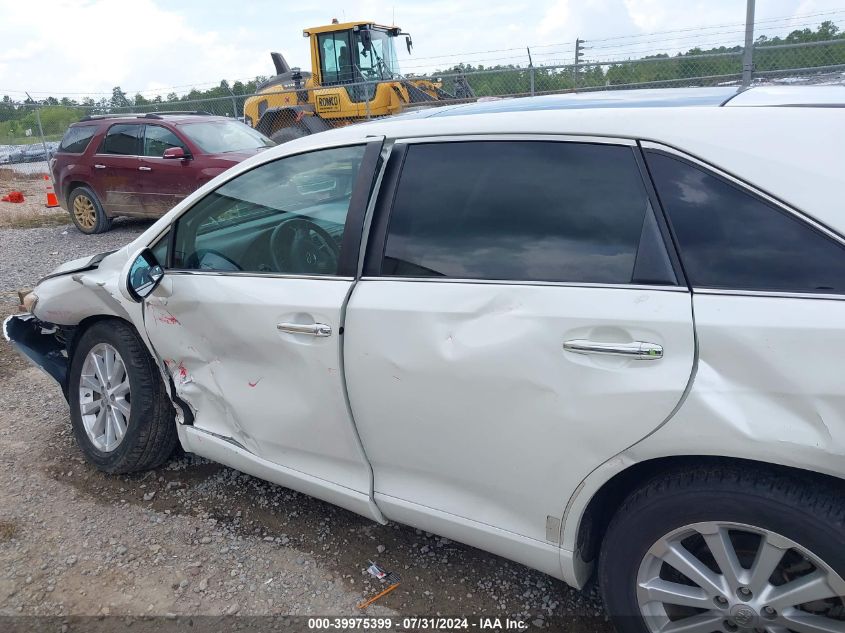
(143, 164)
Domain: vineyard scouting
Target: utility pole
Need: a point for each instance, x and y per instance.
(531, 70)
(579, 53)
(748, 51)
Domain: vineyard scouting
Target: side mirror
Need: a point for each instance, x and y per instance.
(144, 275)
(175, 153)
(409, 43)
(366, 40)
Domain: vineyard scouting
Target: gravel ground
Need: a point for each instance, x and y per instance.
(26, 255)
(194, 538)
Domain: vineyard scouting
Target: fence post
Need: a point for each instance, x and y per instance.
(41, 133)
(531, 70)
(234, 102)
(748, 51)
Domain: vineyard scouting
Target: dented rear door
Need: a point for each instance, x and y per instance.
(248, 316)
(520, 321)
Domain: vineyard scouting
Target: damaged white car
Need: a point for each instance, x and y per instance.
(580, 331)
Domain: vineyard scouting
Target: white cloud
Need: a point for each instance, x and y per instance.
(89, 46)
(555, 18)
(95, 45)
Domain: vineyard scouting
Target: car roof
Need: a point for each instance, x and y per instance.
(645, 98)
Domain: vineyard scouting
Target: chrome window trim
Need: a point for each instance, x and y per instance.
(518, 136)
(801, 216)
(512, 282)
(242, 273)
(771, 294)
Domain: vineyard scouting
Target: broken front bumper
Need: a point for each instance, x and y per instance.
(40, 343)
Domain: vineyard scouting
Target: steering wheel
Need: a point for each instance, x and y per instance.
(300, 246)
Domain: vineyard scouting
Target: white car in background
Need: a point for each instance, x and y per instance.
(578, 331)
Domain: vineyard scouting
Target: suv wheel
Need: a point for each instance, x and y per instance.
(726, 550)
(121, 416)
(87, 212)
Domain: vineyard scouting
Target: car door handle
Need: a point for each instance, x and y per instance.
(142, 168)
(638, 350)
(312, 329)
(99, 166)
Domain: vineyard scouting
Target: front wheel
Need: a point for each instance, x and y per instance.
(121, 416)
(726, 550)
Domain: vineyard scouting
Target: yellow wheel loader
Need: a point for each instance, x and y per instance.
(354, 76)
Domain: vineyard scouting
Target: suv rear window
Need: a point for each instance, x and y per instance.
(522, 211)
(122, 139)
(76, 139)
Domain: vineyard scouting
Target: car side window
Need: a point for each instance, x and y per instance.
(76, 139)
(159, 250)
(284, 217)
(523, 211)
(158, 138)
(729, 238)
(122, 139)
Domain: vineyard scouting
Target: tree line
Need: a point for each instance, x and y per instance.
(704, 66)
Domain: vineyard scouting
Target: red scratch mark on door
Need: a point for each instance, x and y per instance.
(252, 384)
(169, 319)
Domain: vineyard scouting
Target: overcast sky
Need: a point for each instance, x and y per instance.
(85, 47)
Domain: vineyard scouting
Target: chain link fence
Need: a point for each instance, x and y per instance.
(30, 132)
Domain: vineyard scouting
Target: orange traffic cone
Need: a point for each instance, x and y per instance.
(52, 200)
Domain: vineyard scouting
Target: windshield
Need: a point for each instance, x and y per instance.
(380, 61)
(220, 137)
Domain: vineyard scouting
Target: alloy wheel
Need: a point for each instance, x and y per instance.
(730, 577)
(84, 211)
(104, 400)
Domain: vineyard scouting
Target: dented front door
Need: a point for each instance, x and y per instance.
(248, 318)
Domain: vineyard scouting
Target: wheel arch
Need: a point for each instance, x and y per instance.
(583, 531)
(72, 186)
(85, 324)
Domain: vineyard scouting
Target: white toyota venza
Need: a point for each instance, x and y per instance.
(584, 332)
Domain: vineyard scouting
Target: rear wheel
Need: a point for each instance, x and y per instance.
(121, 416)
(87, 212)
(724, 551)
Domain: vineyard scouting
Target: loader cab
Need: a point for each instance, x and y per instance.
(354, 53)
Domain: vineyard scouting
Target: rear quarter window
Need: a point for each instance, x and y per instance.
(76, 139)
(733, 240)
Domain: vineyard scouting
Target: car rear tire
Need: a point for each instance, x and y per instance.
(717, 549)
(121, 415)
(87, 212)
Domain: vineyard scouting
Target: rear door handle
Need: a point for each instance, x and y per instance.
(99, 166)
(312, 329)
(142, 168)
(638, 350)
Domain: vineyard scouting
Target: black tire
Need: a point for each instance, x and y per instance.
(289, 134)
(150, 437)
(100, 223)
(808, 511)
